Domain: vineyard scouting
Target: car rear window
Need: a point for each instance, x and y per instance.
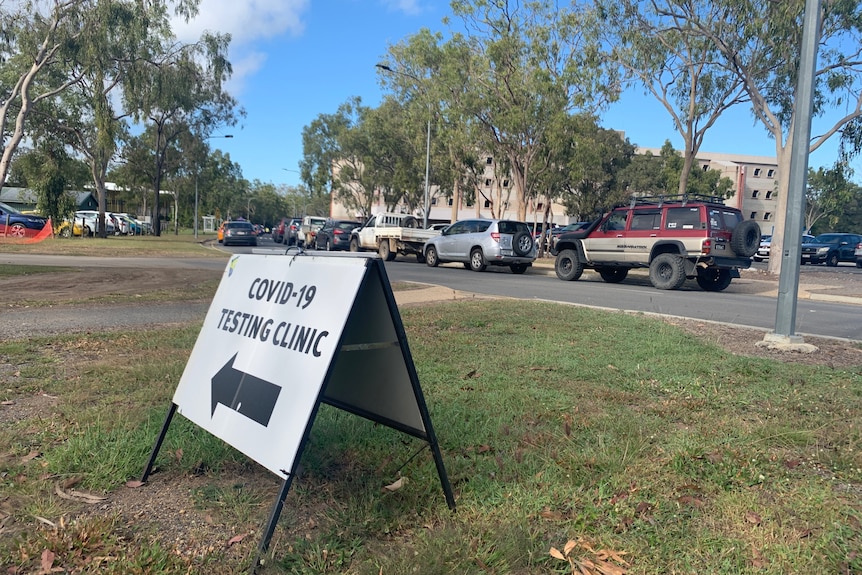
(724, 220)
(509, 227)
(239, 225)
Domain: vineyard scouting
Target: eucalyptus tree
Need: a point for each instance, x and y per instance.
(529, 62)
(589, 163)
(177, 88)
(828, 193)
(669, 58)
(52, 174)
(36, 39)
(759, 41)
(341, 149)
(429, 77)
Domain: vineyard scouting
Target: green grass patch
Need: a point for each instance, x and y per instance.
(168, 244)
(640, 445)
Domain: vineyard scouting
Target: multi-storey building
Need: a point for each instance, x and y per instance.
(754, 183)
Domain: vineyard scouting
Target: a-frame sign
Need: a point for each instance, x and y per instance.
(284, 334)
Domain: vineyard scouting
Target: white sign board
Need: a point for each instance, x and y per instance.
(272, 330)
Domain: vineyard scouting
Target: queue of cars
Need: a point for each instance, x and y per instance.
(674, 237)
(15, 224)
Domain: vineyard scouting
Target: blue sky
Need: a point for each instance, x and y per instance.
(296, 59)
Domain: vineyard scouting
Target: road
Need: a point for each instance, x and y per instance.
(813, 318)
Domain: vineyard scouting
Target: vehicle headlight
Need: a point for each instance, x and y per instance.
(822, 250)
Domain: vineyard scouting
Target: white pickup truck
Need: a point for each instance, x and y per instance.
(390, 235)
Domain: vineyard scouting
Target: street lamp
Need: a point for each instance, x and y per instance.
(196, 184)
(425, 206)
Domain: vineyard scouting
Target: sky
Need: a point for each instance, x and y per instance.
(294, 60)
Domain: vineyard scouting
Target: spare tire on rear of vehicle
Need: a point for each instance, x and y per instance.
(746, 238)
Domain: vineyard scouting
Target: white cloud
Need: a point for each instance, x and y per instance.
(407, 6)
(246, 21)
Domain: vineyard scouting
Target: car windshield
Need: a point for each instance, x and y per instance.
(8, 209)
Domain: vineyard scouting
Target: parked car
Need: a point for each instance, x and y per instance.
(286, 230)
(675, 237)
(89, 220)
(14, 224)
(830, 249)
(239, 233)
(478, 243)
(858, 254)
(122, 226)
(763, 248)
(335, 235)
(68, 228)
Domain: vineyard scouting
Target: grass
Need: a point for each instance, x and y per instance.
(183, 244)
(560, 428)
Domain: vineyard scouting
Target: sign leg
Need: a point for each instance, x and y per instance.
(273, 519)
(158, 445)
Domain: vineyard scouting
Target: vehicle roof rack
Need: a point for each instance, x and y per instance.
(675, 199)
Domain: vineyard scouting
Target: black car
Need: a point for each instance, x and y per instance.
(335, 235)
(239, 232)
(830, 249)
(14, 224)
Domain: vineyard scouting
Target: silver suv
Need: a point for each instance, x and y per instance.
(479, 243)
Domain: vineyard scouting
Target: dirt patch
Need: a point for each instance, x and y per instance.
(98, 284)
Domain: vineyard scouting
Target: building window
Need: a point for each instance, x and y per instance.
(450, 201)
(487, 203)
(753, 216)
(488, 183)
(768, 195)
(767, 216)
(540, 206)
(505, 183)
(433, 201)
(769, 173)
(469, 202)
(756, 172)
(489, 160)
(755, 193)
(705, 168)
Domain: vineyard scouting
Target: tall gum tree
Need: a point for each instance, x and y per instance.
(674, 63)
(37, 37)
(759, 41)
(178, 88)
(529, 62)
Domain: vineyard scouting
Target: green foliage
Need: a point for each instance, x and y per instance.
(827, 198)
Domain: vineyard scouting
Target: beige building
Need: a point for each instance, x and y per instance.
(754, 180)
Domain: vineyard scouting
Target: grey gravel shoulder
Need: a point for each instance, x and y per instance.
(21, 323)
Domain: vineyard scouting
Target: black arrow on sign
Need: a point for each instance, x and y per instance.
(244, 393)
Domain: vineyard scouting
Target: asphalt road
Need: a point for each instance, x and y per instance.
(814, 318)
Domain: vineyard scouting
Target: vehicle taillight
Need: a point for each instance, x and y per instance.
(337, 232)
(706, 246)
(495, 236)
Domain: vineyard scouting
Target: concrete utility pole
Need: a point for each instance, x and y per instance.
(788, 279)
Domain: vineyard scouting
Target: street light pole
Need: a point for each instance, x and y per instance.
(425, 204)
(196, 183)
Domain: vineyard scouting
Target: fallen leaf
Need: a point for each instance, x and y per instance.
(47, 522)
(396, 485)
(483, 449)
(550, 515)
(753, 518)
(570, 544)
(47, 560)
(71, 482)
(555, 553)
(134, 483)
(75, 495)
(8, 402)
(236, 539)
(643, 508)
(30, 456)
